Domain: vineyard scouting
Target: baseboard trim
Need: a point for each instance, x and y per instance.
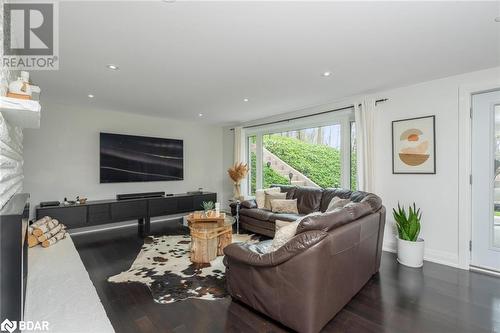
(435, 256)
(484, 271)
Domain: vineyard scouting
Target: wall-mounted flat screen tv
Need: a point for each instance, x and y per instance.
(130, 158)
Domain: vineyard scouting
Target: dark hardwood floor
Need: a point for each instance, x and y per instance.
(433, 299)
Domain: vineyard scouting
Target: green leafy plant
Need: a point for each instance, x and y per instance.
(208, 205)
(408, 225)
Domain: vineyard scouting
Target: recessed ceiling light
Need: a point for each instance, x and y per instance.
(113, 67)
(90, 96)
(326, 74)
(200, 114)
(245, 99)
(497, 19)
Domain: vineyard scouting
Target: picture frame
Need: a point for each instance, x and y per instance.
(414, 145)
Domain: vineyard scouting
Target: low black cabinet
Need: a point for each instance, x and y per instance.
(109, 211)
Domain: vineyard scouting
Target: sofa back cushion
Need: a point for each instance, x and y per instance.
(335, 218)
(308, 199)
(355, 196)
(330, 193)
(288, 189)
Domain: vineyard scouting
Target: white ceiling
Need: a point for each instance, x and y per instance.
(184, 58)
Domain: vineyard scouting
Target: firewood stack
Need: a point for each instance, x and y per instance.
(46, 232)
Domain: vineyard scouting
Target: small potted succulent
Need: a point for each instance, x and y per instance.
(208, 207)
(410, 246)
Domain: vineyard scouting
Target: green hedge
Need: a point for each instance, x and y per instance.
(320, 163)
(270, 176)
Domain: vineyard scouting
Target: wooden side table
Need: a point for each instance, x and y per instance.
(209, 236)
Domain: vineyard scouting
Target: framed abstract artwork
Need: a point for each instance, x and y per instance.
(414, 146)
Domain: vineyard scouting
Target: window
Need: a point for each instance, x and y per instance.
(322, 155)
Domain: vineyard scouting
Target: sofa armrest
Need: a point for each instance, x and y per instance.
(242, 253)
(248, 203)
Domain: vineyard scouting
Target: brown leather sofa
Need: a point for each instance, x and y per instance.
(309, 199)
(307, 281)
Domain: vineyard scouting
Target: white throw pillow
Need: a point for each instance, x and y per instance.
(337, 202)
(283, 235)
(286, 206)
(272, 196)
(260, 195)
(280, 224)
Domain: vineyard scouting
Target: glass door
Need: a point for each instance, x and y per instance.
(485, 245)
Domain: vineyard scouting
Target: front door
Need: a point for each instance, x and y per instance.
(486, 181)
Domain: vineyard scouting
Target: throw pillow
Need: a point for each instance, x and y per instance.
(272, 196)
(283, 235)
(260, 195)
(284, 206)
(280, 224)
(337, 202)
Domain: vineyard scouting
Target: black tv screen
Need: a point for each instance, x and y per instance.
(130, 158)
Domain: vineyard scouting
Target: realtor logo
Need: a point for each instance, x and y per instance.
(24, 326)
(30, 35)
(8, 326)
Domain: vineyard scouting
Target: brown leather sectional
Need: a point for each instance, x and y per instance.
(309, 200)
(307, 281)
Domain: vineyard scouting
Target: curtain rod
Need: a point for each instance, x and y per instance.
(309, 115)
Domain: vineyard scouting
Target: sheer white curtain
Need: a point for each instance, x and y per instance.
(364, 113)
(240, 152)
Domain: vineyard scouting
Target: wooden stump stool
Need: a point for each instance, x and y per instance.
(209, 237)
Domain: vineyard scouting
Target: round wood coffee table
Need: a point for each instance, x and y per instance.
(209, 236)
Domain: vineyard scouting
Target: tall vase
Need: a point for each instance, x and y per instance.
(237, 191)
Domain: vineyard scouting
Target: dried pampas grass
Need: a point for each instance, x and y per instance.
(238, 172)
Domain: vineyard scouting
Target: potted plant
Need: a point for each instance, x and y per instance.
(208, 207)
(410, 246)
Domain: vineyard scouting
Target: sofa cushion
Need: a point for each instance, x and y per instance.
(258, 226)
(280, 224)
(337, 203)
(284, 206)
(260, 195)
(256, 213)
(288, 189)
(330, 193)
(335, 218)
(285, 217)
(272, 196)
(283, 235)
(308, 199)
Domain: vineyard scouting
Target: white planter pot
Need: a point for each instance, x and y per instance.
(411, 254)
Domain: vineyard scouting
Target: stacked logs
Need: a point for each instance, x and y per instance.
(46, 232)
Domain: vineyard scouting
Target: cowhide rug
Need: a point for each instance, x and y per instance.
(164, 266)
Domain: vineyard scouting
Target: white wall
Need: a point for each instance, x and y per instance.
(437, 195)
(62, 157)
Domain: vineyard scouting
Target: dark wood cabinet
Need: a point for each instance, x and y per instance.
(99, 213)
(73, 218)
(163, 206)
(128, 209)
(13, 257)
(108, 211)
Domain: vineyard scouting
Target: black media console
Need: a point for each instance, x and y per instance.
(141, 209)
